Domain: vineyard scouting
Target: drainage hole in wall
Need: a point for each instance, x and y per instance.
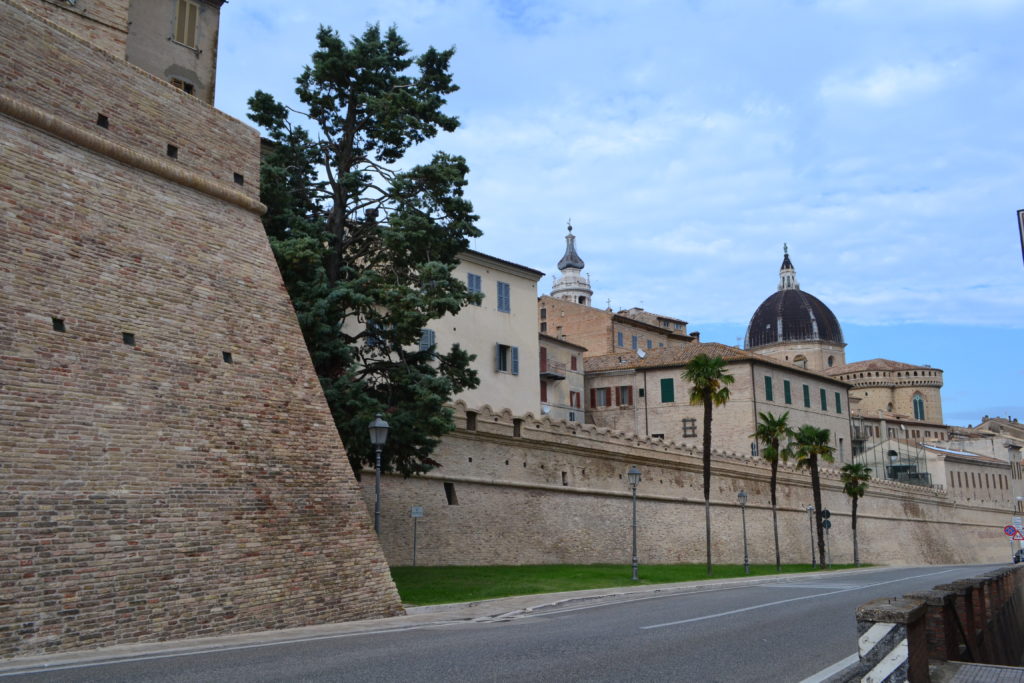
(102, 121)
(58, 324)
(128, 338)
(226, 355)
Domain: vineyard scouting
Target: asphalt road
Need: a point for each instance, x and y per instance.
(776, 630)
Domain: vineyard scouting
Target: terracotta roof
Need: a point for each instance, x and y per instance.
(563, 342)
(681, 355)
(876, 364)
(480, 254)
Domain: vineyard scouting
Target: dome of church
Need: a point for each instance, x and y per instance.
(791, 314)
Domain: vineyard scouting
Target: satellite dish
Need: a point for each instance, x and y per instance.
(641, 353)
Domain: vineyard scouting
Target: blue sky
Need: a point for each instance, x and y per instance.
(687, 141)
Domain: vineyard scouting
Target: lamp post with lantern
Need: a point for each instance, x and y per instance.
(378, 437)
(634, 480)
(742, 498)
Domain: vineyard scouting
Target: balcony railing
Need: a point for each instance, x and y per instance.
(552, 369)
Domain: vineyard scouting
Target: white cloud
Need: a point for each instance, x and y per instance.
(890, 83)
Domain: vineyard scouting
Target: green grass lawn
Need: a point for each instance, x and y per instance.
(438, 585)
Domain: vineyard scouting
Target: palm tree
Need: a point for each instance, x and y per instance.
(770, 433)
(708, 387)
(855, 476)
(812, 443)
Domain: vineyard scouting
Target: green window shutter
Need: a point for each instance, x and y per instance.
(839, 403)
(668, 390)
(768, 388)
(824, 400)
(786, 391)
(807, 396)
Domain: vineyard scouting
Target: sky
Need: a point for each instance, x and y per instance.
(688, 141)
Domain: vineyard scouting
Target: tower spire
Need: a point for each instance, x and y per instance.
(572, 286)
(787, 273)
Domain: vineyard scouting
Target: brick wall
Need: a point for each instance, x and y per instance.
(558, 493)
(149, 488)
(103, 23)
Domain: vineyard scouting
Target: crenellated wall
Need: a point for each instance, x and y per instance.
(530, 490)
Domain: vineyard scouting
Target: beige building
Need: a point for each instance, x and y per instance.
(561, 379)
(176, 41)
(971, 477)
(647, 396)
(501, 332)
(887, 386)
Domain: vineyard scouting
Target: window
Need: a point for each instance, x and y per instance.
(600, 398)
(689, 427)
(183, 85)
(668, 390)
(624, 396)
(572, 363)
(427, 339)
(807, 396)
(768, 388)
(786, 392)
(918, 407)
(185, 24)
(678, 326)
(506, 359)
(824, 400)
(633, 343)
(574, 399)
(543, 327)
(572, 416)
(831, 360)
(543, 391)
(839, 403)
(449, 493)
(475, 284)
(543, 314)
(504, 297)
(650, 344)
(619, 339)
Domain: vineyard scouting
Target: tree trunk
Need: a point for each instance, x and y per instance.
(775, 514)
(707, 475)
(816, 487)
(856, 555)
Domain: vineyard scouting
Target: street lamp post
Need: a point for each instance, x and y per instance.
(810, 521)
(378, 437)
(742, 498)
(634, 479)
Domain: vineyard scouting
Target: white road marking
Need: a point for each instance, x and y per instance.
(783, 602)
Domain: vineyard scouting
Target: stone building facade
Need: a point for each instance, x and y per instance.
(647, 396)
(169, 467)
(561, 380)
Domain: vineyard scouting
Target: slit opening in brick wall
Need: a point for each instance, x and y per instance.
(226, 355)
(128, 338)
(449, 493)
(470, 459)
(239, 179)
(565, 478)
(172, 151)
(517, 427)
(58, 324)
(102, 121)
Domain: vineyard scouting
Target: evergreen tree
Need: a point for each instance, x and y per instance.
(367, 249)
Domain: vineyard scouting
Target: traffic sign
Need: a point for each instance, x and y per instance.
(826, 523)
(1010, 530)
(825, 514)
(416, 511)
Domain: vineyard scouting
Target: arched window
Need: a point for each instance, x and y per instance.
(800, 361)
(918, 407)
(831, 360)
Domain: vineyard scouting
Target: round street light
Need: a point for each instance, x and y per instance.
(633, 475)
(378, 437)
(742, 498)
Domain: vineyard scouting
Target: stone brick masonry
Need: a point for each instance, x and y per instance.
(168, 465)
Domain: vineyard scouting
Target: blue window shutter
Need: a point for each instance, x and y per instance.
(426, 339)
(515, 361)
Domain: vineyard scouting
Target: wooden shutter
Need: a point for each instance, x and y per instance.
(629, 396)
(515, 360)
(593, 398)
